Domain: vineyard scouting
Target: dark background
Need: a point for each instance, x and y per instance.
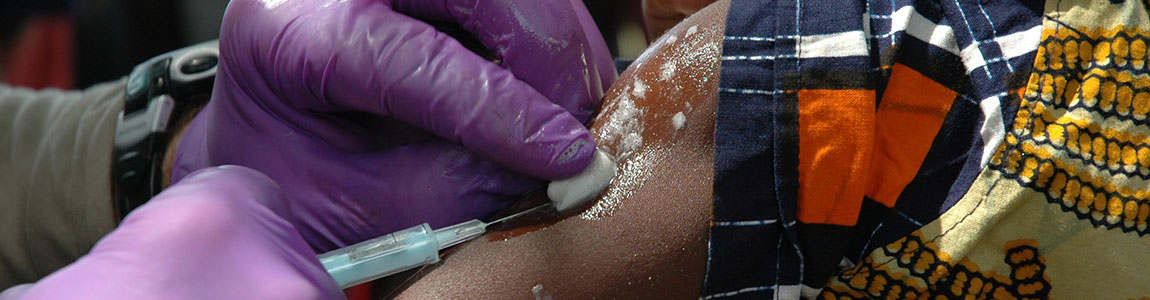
(112, 36)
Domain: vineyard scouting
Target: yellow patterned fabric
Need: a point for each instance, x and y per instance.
(1061, 211)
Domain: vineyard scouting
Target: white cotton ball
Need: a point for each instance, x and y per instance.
(573, 192)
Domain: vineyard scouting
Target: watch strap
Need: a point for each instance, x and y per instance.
(158, 91)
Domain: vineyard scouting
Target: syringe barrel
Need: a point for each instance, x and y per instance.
(382, 256)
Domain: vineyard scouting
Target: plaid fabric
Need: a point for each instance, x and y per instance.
(1062, 209)
(844, 126)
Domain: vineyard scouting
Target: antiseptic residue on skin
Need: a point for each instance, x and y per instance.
(667, 71)
(537, 290)
(678, 120)
(624, 126)
(640, 89)
(624, 130)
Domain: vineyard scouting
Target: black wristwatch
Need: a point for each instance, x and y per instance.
(158, 90)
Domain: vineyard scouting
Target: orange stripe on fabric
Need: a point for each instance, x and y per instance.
(836, 131)
(910, 115)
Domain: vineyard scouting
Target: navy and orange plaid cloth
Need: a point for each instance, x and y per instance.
(942, 149)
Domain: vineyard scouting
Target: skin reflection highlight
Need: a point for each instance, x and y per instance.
(634, 171)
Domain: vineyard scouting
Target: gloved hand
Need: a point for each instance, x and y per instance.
(221, 233)
(324, 96)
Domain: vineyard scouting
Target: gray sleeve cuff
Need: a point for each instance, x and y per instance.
(55, 176)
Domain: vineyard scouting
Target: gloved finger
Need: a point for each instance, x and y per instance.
(459, 185)
(233, 222)
(230, 182)
(601, 58)
(207, 236)
(434, 181)
(554, 46)
(360, 55)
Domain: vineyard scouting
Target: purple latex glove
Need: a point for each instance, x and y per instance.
(218, 234)
(328, 97)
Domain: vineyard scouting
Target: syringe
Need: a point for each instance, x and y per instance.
(402, 250)
(419, 245)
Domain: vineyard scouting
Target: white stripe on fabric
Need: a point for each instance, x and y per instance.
(759, 38)
(993, 128)
(788, 292)
(1012, 45)
(749, 38)
(1020, 43)
(750, 91)
(972, 58)
(740, 291)
(993, 30)
(861, 254)
(745, 223)
(795, 292)
(802, 266)
(781, 292)
(967, 58)
(919, 27)
(850, 43)
(753, 57)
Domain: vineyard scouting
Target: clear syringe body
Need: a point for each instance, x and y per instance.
(393, 253)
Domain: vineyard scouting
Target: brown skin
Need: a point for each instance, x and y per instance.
(653, 243)
(174, 143)
(661, 15)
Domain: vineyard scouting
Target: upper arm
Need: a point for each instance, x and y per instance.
(647, 233)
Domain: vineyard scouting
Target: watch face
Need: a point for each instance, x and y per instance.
(195, 63)
(200, 63)
(137, 82)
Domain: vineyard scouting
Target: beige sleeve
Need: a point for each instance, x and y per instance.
(55, 176)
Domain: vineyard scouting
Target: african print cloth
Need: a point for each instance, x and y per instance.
(906, 149)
